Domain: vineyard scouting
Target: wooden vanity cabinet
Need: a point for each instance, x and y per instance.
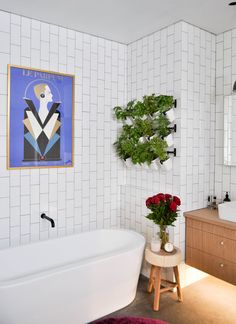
(211, 244)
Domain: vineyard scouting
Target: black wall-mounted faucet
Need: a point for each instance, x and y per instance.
(44, 216)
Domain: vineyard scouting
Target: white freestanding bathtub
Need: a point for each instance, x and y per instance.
(70, 280)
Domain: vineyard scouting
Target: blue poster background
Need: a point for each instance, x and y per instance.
(22, 82)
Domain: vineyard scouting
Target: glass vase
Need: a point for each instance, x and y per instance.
(164, 235)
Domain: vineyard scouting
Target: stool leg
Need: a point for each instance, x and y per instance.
(157, 289)
(151, 279)
(179, 291)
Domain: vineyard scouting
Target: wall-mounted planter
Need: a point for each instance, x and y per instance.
(167, 165)
(129, 121)
(170, 114)
(151, 137)
(143, 117)
(155, 165)
(169, 140)
(146, 132)
(143, 139)
(128, 162)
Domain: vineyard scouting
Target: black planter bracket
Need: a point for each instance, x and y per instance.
(173, 128)
(172, 152)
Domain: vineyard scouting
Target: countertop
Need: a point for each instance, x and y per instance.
(209, 216)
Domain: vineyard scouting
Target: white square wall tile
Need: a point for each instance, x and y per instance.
(35, 213)
(15, 19)
(15, 55)
(54, 29)
(44, 50)
(3, 163)
(5, 207)
(35, 40)
(45, 32)
(4, 187)
(5, 228)
(25, 224)
(25, 27)
(25, 205)
(34, 194)
(15, 216)
(44, 203)
(5, 18)
(34, 232)
(15, 34)
(227, 39)
(43, 184)
(25, 47)
(25, 185)
(52, 193)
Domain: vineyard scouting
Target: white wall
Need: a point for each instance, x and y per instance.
(225, 176)
(180, 61)
(154, 66)
(84, 197)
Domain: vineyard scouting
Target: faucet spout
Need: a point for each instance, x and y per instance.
(44, 216)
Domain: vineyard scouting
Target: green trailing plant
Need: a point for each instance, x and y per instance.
(125, 146)
(158, 146)
(123, 113)
(144, 127)
(149, 106)
(161, 125)
(163, 103)
(143, 141)
(142, 154)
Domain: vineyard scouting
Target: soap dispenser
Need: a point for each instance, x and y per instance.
(226, 199)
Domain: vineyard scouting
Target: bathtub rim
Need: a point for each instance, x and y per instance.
(63, 268)
(133, 232)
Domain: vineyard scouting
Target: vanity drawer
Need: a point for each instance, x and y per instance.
(219, 230)
(211, 244)
(213, 265)
(193, 223)
(194, 237)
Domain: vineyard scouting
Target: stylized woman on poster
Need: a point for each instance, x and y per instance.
(42, 127)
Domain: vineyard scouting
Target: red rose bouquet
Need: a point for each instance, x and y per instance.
(164, 212)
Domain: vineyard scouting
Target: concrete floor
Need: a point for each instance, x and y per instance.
(207, 301)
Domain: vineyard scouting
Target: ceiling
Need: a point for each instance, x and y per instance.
(126, 20)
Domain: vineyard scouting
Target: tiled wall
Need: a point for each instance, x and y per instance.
(154, 66)
(180, 61)
(84, 197)
(225, 176)
(197, 120)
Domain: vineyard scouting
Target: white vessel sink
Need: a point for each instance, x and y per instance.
(227, 211)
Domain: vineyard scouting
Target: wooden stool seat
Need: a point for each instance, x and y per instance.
(159, 260)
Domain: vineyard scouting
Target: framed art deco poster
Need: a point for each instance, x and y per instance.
(40, 118)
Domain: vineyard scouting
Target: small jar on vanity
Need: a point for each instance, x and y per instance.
(213, 201)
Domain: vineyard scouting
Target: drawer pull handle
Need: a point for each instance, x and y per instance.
(222, 243)
(222, 265)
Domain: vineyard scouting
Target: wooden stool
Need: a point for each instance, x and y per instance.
(160, 260)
